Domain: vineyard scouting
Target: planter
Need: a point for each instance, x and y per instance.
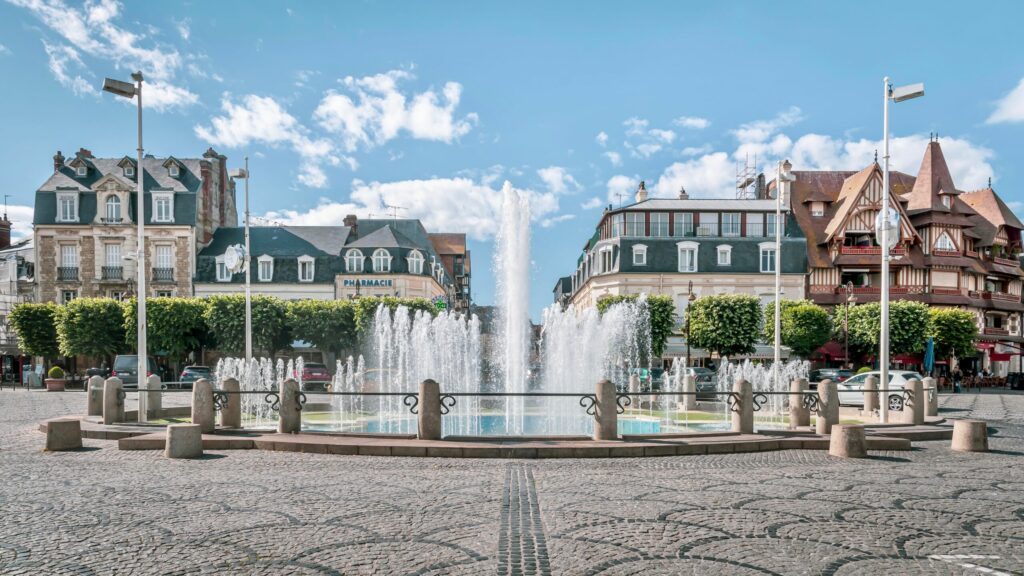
(55, 384)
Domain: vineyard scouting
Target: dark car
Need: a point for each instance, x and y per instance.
(126, 369)
(315, 376)
(834, 374)
(192, 373)
(706, 383)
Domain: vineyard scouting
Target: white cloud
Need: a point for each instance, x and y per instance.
(710, 176)
(635, 126)
(302, 77)
(666, 136)
(760, 131)
(594, 202)
(558, 180)
(602, 137)
(21, 221)
(93, 31)
(1009, 108)
(614, 157)
(621, 189)
(645, 150)
(549, 222)
(375, 111)
(696, 150)
(442, 204)
(4, 50)
(185, 29)
(692, 122)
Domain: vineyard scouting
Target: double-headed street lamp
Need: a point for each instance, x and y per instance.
(782, 174)
(243, 174)
(689, 300)
(887, 220)
(129, 90)
(850, 299)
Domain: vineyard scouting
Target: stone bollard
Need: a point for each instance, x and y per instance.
(970, 436)
(154, 398)
(429, 425)
(634, 388)
(202, 406)
(870, 395)
(931, 392)
(95, 396)
(798, 415)
(63, 435)
(184, 441)
(231, 414)
(289, 417)
(848, 441)
(113, 401)
(743, 410)
(606, 415)
(828, 407)
(913, 409)
(690, 387)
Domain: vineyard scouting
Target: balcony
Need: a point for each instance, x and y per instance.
(952, 253)
(1006, 261)
(67, 273)
(987, 295)
(111, 220)
(948, 291)
(870, 250)
(113, 273)
(163, 274)
(997, 331)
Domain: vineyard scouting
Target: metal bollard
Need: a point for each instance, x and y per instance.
(289, 417)
(870, 395)
(913, 408)
(202, 406)
(828, 407)
(798, 415)
(606, 416)
(931, 392)
(231, 412)
(95, 396)
(113, 401)
(429, 424)
(743, 407)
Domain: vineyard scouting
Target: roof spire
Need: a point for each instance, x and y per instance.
(989, 182)
(876, 155)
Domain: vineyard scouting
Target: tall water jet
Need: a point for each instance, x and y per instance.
(512, 271)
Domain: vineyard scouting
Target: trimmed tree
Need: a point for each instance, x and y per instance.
(908, 326)
(174, 326)
(330, 325)
(91, 327)
(36, 327)
(805, 326)
(954, 331)
(728, 324)
(225, 317)
(661, 313)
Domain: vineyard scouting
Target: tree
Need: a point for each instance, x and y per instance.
(36, 327)
(330, 325)
(729, 324)
(91, 327)
(366, 309)
(225, 317)
(908, 326)
(805, 326)
(661, 315)
(174, 326)
(955, 332)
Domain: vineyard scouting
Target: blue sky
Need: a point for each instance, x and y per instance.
(353, 107)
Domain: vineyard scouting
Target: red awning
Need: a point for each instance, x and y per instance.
(985, 345)
(999, 357)
(908, 358)
(832, 349)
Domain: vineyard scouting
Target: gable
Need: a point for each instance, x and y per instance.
(861, 206)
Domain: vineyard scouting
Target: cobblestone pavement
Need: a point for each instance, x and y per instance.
(103, 511)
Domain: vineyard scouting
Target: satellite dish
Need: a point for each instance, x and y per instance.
(234, 258)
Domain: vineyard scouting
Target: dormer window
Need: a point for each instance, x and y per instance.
(947, 200)
(266, 268)
(67, 207)
(173, 171)
(113, 206)
(415, 260)
(817, 208)
(306, 269)
(381, 260)
(129, 171)
(163, 207)
(82, 170)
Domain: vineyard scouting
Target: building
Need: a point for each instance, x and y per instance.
(390, 257)
(85, 215)
(669, 246)
(17, 284)
(455, 257)
(955, 248)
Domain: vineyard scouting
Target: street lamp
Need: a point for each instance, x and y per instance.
(884, 223)
(689, 300)
(243, 174)
(850, 299)
(782, 174)
(128, 90)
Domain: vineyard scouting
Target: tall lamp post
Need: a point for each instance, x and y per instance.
(689, 300)
(884, 222)
(850, 299)
(782, 175)
(243, 174)
(129, 90)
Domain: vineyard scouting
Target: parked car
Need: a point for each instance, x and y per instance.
(126, 369)
(834, 374)
(315, 376)
(101, 372)
(192, 373)
(706, 382)
(851, 390)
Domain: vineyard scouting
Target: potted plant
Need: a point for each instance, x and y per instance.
(55, 379)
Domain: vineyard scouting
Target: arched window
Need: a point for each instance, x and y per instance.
(415, 262)
(113, 209)
(354, 261)
(381, 260)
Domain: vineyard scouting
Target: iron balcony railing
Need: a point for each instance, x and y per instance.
(163, 274)
(67, 273)
(113, 273)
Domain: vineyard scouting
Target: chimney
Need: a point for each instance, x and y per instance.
(682, 194)
(352, 222)
(641, 192)
(84, 153)
(58, 161)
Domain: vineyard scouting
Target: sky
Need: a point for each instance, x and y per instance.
(424, 110)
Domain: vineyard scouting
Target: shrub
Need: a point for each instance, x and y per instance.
(56, 373)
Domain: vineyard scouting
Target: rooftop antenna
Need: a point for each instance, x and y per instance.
(619, 195)
(394, 210)
(6, 196)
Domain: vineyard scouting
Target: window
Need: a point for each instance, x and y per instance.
(164, 293)
(770, 228)
(164, 256)
(68, 295)
(817, 208)
(265, 268)
(618, 223)
(163, 208)
(946, 200)
(354, 261)
(116, 294)
(659, 224)
(67, 207)
(305, 269)
(730, 224)
(112, 255)
(639, 255)
(415, 260)
(767, 256)
(113, 209)
(606, 262)
(223, 274)
(129, 171)
(82, 170)
(173, 171)
(725, 255)
(635, 224)
(69, 256)
(687, 256)
(683, 224)
(381, 260)
(945, 243)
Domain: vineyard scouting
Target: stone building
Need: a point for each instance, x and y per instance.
(955, 248)
(85, 215)
(455, 257)
(17, 284)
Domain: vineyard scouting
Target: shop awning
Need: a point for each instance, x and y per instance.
(908, 358)
(833, 350)
(999, 356)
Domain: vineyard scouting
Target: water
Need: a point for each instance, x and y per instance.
(512, 267)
